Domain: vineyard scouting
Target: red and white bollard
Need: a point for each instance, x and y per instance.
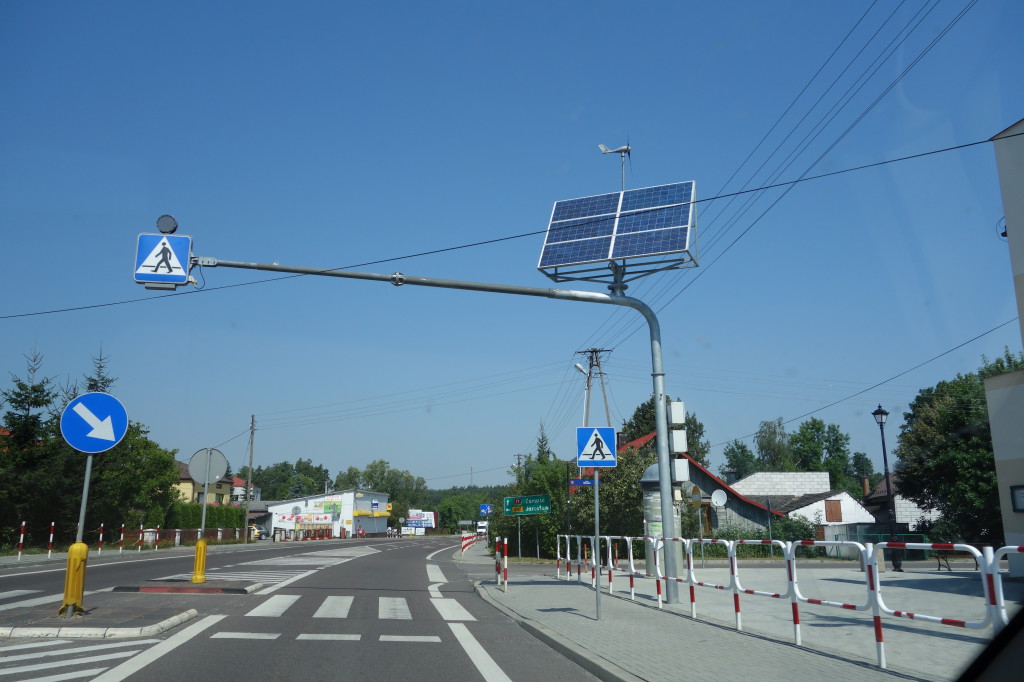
(21, 541)
(120, 543)
(156, 540)
(100, 549)
(49, 547)
(140, 537)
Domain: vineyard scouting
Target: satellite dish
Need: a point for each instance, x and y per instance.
(718, 498)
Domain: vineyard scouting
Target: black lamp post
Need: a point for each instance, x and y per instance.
(880, 416)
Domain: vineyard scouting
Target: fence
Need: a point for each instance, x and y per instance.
(601, 553)
(155, 537)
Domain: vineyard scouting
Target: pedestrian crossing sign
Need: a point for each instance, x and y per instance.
(162, 259)
(595, 446)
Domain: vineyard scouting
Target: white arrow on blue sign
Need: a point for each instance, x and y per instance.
(94, 422)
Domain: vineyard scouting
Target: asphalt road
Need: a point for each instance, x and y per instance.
(372, 609)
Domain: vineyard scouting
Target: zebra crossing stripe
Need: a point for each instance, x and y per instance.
(330, 638)
(451, 609)
(275, 606)
(393, 608)
(410, 638)
(334, 607)
(245, 635)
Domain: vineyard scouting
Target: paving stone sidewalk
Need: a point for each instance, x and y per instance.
(635, 640)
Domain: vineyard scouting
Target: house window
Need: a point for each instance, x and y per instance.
(833, 511)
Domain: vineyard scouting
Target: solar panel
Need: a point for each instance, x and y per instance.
(636, 223)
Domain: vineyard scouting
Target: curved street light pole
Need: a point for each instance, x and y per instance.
(880, 416)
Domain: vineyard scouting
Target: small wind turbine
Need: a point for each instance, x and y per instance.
(623, 152)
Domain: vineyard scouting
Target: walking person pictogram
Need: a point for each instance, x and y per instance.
(598, 447)
(165, 258)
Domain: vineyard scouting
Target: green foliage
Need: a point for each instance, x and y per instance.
(190, 515)
(774, 452)
(41, 476)
(944, 456)
(740, 459)
(642, 423)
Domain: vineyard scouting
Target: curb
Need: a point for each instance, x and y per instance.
(99, 633)
(161, 589)
(597, 666)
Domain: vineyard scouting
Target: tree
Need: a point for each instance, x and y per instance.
(348, 479)
(699, 447)
(133, 482)
(643, 423)
(740, 459)
(36, 473)
(774, 452)
(817, 446)
(944, 453)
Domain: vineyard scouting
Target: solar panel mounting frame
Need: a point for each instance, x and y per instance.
(588, 218)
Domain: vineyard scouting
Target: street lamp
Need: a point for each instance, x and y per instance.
(880, 416)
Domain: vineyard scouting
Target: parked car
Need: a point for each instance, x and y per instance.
(259, 532)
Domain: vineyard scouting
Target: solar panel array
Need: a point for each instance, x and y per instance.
(646, 222)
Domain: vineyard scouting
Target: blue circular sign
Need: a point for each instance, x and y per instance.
(94, 422)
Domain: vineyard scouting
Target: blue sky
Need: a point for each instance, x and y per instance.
(354, 136)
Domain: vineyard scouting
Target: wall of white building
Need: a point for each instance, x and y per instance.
(852, 511)
(347, 510)
(783, 483)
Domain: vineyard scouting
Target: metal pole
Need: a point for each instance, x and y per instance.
(597, 497)
(85, 497)
(206, 492)
(897, 560)
(617, 298)
(519, 542)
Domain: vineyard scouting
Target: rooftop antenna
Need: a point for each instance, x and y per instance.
(623, 152)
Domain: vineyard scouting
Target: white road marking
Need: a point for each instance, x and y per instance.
(141, 660)
(435, 591)
(69, 676)
(393, 608)
(274, 606)
(283, 583)
(77, 650)
(430, 556)
(450, 609)
(480, 658)
(409, 638)
(39, 601)
(16, 593)
(334, 607)
(49, 665)
(434, 574)
(36, 645)
(245, 635)
(331, 638)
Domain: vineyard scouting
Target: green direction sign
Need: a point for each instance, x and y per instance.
(527, 504)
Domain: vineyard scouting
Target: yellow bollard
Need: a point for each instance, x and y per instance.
(74, 580)
(199, 571)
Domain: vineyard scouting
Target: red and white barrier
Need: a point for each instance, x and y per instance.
(21, 540)
(467, 542)
(99, 550)
(988, 563)
(120, 543)
(49, 546)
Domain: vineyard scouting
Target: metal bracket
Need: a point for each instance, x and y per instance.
(205, 261)
(398, 279)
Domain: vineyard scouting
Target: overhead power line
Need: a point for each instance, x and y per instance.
(487, 242)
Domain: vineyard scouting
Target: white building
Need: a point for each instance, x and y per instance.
(782, 483)
(343, 513)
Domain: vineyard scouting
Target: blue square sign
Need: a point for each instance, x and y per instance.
(163, 258)
(595, 446)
